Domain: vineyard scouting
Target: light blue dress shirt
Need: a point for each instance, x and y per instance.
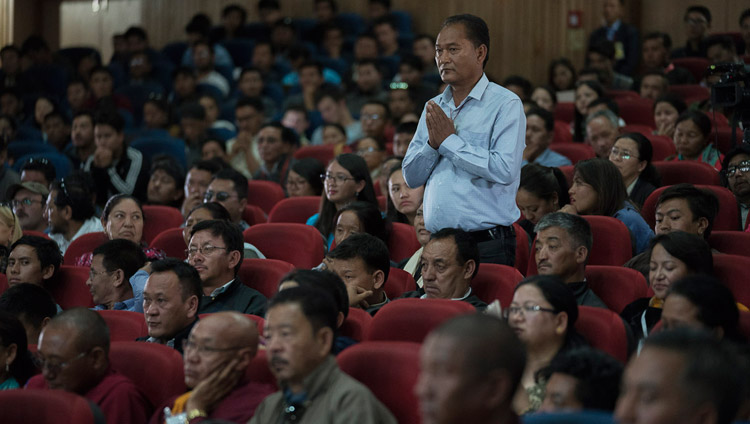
(472, 179)
(549, 158)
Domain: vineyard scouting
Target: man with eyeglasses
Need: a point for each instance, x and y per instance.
(70, 211)
(73, 355)
(229, 189)
(737, 171)
(28, 200)
(216, 356)
(697, 23)
(276, 143)
(112, 265)
(375, 118)
(215, 250)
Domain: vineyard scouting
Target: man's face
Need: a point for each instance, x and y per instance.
(220, 348)
(9, 104)
(651, 390)
(365, 48)
(612, 10)
(444, 277)
(57, 131)
(368, 78)
(202, 57)
(140, 66)
(387, 36)
(696, 26)
(458, 61)
(270, 146)
(100, 282)
(82, 133)
(675, 215)
(424, 49)
(653, 87)
(537, 136)
(66, 366)
(739, 182)
(136, 44)
(24, 267)
(400, 103)
(184, 85)
(718, 54)
(166, 311)
(223, 192)
(77, 96)
(601, 136)
(262, 56)
(373, 120)
(294, 349)
(217, 268)
(323, 11)
(295, 120)
(30, 215)
(401, 143)
(232, 20)
(600, 62)
(107, 137)
(555, 254)
(410, 75)
(57, 222)
(329, 110)
(654, 54)
(196, 183)
(101, 84)
(354, 273)
(251, 84)
(249, 120)
(192, 129)
(560, 394)
(310, 78)
(162, 188)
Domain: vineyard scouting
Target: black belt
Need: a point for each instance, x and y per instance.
(493, 233)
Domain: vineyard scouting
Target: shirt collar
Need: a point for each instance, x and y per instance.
(476, 92)
(221, 289)
(616, 25)
(466, 295)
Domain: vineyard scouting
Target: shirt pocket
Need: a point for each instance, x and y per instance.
(476, 139)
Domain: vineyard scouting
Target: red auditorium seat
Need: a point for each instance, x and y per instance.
(400, 282)
(3, 283)
(412, 319)
(299, 244)
(662, 146)
(637, 111)
(732, 271)
(622, 94)
(690, 93)
(35, 233)
(324, 153)
(617, 286)
(382, 203)
(745, 324)
(295, 209)
(159, 218)
(522, 249)
(696, 65)
(723, 136)
(124, 326)
(686, 171)
(68, 287)
(402, 242)
(83, 244)
(604, 330)
(129, 358)
(357, 324)
(574, 151)
(731, 242)
(264, 194)
(264, 274)
(495, 281)
(253, 215)
(258, 370)
(565, 111)
(569, 171)
(390, 370)
(171, 242)
(44, 407)
(639, 128)
(562, 133)
(728, 218)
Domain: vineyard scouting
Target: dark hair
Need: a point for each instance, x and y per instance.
(110, 118)
(562, 299)
(310, 169)
(703, 203)
(563, 61)
(239, 181)
(171, 166)
(329, 91)
(740, 149)
(200, 23)
(406, 128)
(121, 254)
(84, 112)
(700, 119)
(253, 102)
(547, 117)
(288, 135)
(608, 102)
(716, 305)
(332, 3)
(745, 14)
(475, 28)
(321, 280)
(466, 246)
(371, 218)
(543, 182)
(211, 166)
(216, 210)
(605, 179)
(666, 40)
(222, 144)
(187, 276)
(604, 48)
(674, 100)
(372, 250)
(229, 232)
(520, 81)
(311, 64)
(645, 153)
(43, 166)
(46, 250)
(550, 91)
(411, 60)
(577, 228)
(703, 10)
(185, 71)
(318, 306)
(100, 69)
(579, 124)
(597, 376)
(384, 105)
(29, 303)
(358, 168)
(338, 126)
(192, 111)
(691, 249)
(135, 31)
(269, 4)
(390, 207)
(12, 332)
(235, 8)
(115, 200)
(57, 113)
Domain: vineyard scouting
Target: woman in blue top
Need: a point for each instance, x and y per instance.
(598, 189)
(347, 179)
(16, 366)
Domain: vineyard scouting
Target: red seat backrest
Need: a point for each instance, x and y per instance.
(522, 248)
(616, 286)
(412, 319)
(569, 172)
(171, 242)
(637, 111)
(382, 203)
(622, 94)
(662, 146)
(562, 132)
(723, 136)
(258, 370)
(44, 407)
(323, 153)
(639, 128)
(129, 358)
(299, 244)
(357, 324)
(731, 242)
(565, 111)
(402, 242)
(253, 215)
(390, 370)
(728, 218)
(604, 330)
(495, 281)
(398, 283)
(124, 326)
(35, 233)
(686, 171)
(295, 209)
(745, 324)
(690, 93)
(159, 218)
(732, 270)
(264, 274)
(574, 151)
(696, 65)
(3, 283)
(264, 194)
(68, 287)
(83, 244)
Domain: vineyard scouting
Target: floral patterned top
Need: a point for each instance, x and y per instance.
(152, 254)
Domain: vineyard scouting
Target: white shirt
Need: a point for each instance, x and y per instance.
(91, 225)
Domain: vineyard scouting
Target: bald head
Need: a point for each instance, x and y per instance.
(78, 322)
(234, 328)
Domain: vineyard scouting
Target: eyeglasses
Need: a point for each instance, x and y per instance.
(26, 202)
(399, 86)
(93, 274)
(43, 161)
(623, 154)
(367, 150)
(55, 367)
(373, 117)
(205, 250)
(296, 183)
(526, 309)
(340, 179)
(743, 167)
(204, 350)
(220, 196)
(695, 22)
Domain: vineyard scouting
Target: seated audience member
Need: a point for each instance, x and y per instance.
(213, 210)
(682, 376)
(579, 379)
(653, 84)
(18, 364)
(402, 99)
(667, 109)
(585, 93)
(470, 369)
(203, 60)
(519, 85)
(122, 218)
(28, 200)
(335, 135)
(8, 176)
(632, 155)
(601, 56)
(403, 201)
(543, 315)
(703, 303)
(193, 129)
(545, 98)
(10, 231)
(622, 36)
(692, 139)
(745, 31)
(656, 47)
(30, 304)
(737, 179)
(309, 80)
(252, 83)
(39, 170)
(216, 250)
(159, 115)
(304, 178)
(214, 148)
(112, 265)
(381, 183)
(216, 356)
(673, 255)
(681, 207)
(101, 82)
(56, 130)
(115, 168)
(601, 130)
(276, 143)
(450, 260)
(372, 151)
(197, 181)
(598, 189)
(360, 217)
(721, 49)
(229, 188)
(299, 331)
(33, 260)
(170, 302)
(423, 47)
(402, 137)
(211, 107)
(296, 118)
(413, 265)
(70, 211)
(541, 191)
(375, 118)
(74, 356)
(367, 87)
(563, 243)
(540, 130)
(331, 104)
(362, 261)
(606, 103)
(561, 76)
(166, 182)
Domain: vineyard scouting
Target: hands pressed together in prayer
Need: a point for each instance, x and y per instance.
(439, 126)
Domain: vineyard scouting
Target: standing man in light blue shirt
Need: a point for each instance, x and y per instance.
(469, 144)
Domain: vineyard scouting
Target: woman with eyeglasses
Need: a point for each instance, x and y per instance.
(346, 179)
(10, 232)
(304, 178)
(16, 365)
(631, 154)
(692, 139)
(543, 314)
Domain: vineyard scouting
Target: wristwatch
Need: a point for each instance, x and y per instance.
(195, 413)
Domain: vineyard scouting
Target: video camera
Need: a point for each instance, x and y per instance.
(733, 90)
